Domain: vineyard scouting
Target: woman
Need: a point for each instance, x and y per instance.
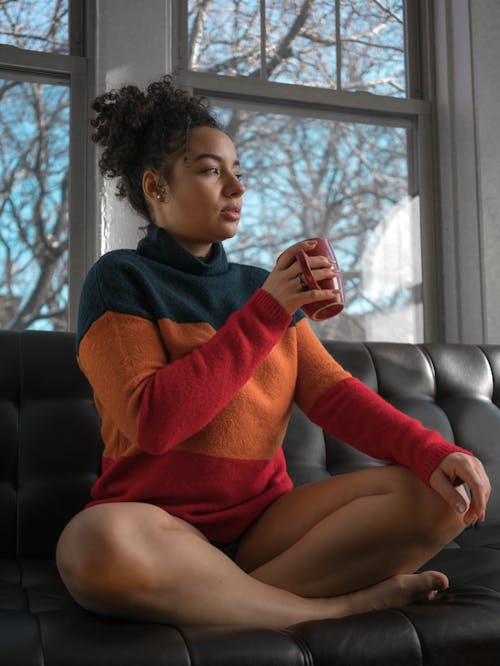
(194, 364)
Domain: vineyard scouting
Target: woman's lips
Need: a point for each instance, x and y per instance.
(232, 214)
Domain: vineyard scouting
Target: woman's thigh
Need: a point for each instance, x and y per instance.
(292, 515)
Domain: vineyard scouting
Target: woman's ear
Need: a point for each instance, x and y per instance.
(152, 186)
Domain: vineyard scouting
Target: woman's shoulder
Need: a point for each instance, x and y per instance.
(115, 260)
(112, 284)
(114, 268)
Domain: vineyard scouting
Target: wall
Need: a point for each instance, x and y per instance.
(485, 24)
(467, 103)
(131, 46)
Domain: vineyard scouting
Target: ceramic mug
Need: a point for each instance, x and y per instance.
(335, 304)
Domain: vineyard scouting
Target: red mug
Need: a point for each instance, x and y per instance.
(335, 304)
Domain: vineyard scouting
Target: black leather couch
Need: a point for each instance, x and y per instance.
(49, 457)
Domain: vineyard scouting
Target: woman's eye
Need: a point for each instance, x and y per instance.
(217, 172)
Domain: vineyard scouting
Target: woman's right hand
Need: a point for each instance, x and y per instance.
(283, 282)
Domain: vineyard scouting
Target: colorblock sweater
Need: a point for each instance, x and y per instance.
(194, 369)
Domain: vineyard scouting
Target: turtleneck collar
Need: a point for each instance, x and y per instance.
(161, 246)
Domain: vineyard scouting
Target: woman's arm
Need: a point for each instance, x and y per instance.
(350, 411)
(359, 416)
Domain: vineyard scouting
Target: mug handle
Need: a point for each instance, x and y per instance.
(306, 270)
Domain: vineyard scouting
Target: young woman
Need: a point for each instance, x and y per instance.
(195, 363)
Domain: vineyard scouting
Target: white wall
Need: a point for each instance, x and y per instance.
(130, 47)
(485, 29)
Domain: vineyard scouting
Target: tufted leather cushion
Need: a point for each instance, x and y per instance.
(49, 457)
(50, 450)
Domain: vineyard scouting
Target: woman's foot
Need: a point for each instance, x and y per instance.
(396, 592)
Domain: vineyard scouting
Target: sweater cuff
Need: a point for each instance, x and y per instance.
(268, 307)
(441, 448)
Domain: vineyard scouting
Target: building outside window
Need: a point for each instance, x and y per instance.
(322, 100)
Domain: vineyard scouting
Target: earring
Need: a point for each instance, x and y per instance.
(161, 196)
(160, 190)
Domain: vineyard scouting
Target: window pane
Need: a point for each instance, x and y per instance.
(34, 159)
(224, 36)
(301, 42)
(345, 181)
(373, 46)
(37, 25)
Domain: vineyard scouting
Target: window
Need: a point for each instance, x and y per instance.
(344, 44)
(41, 78)
(321, 98)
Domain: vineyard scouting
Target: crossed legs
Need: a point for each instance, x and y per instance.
(348, 532)
(345, 545)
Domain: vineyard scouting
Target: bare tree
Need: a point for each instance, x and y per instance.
(34, 142)
(38, 25)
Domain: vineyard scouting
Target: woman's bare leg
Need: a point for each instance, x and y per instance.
(133, 560)
(348, 532)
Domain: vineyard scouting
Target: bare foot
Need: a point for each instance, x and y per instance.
(396, 592)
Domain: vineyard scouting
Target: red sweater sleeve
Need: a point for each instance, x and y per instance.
(184, 396)
(360, 417)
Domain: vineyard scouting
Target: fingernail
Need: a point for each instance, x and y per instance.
(460, 507)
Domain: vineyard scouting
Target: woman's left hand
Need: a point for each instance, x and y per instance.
(469, 470)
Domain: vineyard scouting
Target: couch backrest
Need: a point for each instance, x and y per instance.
(50, 444)
(49, 440)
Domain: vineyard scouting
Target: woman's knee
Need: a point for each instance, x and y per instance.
(437, 521)
(100, 557)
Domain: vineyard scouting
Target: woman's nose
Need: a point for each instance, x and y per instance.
(234, 187)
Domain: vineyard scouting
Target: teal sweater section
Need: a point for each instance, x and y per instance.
(161, 279)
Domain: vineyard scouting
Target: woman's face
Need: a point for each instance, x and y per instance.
(201, 203)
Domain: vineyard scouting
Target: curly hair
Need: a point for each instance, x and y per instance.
(144, 130)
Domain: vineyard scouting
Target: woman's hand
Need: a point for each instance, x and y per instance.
(283, 282)
(470, 471)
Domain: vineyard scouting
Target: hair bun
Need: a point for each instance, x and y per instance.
(143, 130)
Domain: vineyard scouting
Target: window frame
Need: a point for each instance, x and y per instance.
(415, 111)
(72, 71)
